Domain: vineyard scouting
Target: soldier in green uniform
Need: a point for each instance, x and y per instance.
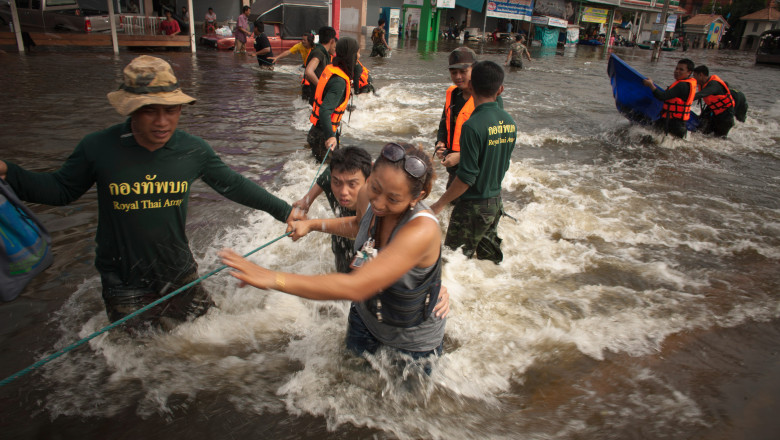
(486, 142)
(144, 169)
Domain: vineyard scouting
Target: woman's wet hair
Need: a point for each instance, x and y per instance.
(416, 186)
(346, 55)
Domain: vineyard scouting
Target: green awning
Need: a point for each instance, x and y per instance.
(474, 5)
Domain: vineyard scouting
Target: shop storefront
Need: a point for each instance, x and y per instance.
(547, 30)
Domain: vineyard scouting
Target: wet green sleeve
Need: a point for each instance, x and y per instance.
(323, 180)
(71, 181)
(241, 190)
(713, 88)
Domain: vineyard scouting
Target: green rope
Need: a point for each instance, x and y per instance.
(121, 321)
(324, 158)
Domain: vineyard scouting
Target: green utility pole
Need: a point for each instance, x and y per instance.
(430, 17)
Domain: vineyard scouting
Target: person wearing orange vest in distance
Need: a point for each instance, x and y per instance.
(331, 99)
(319, 56)
(718, 115)
(677, 99)
(458, 107)
(363, 78)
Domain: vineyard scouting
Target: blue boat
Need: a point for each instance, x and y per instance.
(632, 99)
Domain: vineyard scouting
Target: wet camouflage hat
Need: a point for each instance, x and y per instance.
(462, 58)
(147, 80)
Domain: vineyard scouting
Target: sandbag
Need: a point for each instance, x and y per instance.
(25, 244)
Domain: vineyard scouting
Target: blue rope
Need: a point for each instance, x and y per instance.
(121, 321)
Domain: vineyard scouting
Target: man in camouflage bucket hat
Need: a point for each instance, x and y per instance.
(144, 169)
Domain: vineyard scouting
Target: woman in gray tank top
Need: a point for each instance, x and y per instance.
(395, 287)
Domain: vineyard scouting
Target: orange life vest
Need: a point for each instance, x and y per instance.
(718, 103)
(463, 116)
(676, 108)
(338, 112)
(363, 80)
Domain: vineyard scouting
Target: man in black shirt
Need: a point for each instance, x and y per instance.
(263, 47)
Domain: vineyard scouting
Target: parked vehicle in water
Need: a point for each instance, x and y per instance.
(54, 15)
(769, 47)
(285, 22)
(221, 40)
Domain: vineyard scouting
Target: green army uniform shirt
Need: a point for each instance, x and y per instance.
(142, 197)
(486, 143)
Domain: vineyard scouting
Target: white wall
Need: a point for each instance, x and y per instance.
(373, 7)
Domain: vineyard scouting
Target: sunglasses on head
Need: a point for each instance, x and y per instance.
(412, 164)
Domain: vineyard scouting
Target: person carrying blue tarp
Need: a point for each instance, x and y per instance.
(677, 99)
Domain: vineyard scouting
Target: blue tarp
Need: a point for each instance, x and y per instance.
(25, 244)
(633, 100)
(547, 35)
(474, 5)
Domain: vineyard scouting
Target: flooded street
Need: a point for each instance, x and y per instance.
(639, 296)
